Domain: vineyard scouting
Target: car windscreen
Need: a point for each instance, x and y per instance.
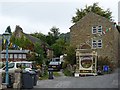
(26, 65)
(56, 59)
(1, 65)
(10, 65)
(53, 63)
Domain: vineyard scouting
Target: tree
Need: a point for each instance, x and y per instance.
(92, 8)
(50, 39)
(59, 47)
(71, 55)
(53, 35)
(40, 36)
(23, 42)
(8, 29)
(39, 51)
(54, 32)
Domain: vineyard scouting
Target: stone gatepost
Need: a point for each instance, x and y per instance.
(2, 85)
(17, 82)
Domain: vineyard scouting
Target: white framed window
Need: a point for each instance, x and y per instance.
(2, 55)
(20, 55)
(11, 56)
(24, 56)
(94, 30)
(99, 29)
(94, 44)
(15, 56)
(99, 44)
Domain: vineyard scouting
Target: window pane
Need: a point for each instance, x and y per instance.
(15, 55)
(99, 43)
(20, 55)
(11, 65)
(2, 55)
(94, 30)
(94, 44)
(24, 56)
(11, 55)
(99, 29)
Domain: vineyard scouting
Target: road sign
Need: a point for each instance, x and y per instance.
(105, 68)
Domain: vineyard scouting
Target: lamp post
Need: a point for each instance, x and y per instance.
(6, 37)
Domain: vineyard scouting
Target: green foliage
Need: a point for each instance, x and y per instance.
(38, 49)
(59, 47)
(8, 29)
(52, 36)
(50, 40)
(92, 8)
(45, 76)
(67, 72)
(23, 42)
(56, 74)
(40, 36)
(105, 61)
(71, 57)
(64, 65)
(54, 40)
(54, 32)
(65, 36)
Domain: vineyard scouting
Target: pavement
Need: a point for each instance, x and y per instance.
(102, 81)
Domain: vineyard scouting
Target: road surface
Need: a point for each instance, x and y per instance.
(103, 81)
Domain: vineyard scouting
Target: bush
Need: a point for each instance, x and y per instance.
(105, 61)
(64, 65)
(67, 72)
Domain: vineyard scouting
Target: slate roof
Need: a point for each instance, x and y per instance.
(16, 51)
(32, 38)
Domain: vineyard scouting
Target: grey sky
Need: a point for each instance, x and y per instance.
(40, 16)
(119, 12)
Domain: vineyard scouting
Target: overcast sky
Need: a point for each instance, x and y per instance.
(41, 15)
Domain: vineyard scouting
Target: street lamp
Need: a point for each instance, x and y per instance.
(6, 37)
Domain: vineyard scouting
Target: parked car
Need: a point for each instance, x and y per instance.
(12, 66)
(1, 65)
(59, 60)
(55, 65)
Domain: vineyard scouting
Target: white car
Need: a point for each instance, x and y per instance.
(12, 66)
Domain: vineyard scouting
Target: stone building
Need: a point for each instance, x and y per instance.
(15, 55)
(118, 27)
(98, 32)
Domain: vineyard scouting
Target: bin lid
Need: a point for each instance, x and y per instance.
(31, 72)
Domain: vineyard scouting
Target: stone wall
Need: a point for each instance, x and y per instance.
(81, 32)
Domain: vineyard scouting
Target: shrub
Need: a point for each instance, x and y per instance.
(105, 61)
(67, 72)
(64, 65)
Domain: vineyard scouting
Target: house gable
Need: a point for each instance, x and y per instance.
(106, 42)
(81, 32)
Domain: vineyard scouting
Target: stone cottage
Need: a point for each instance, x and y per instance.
(98, 32)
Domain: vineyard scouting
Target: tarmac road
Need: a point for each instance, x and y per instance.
(103, 81)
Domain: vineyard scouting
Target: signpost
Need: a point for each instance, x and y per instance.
(105, 68)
